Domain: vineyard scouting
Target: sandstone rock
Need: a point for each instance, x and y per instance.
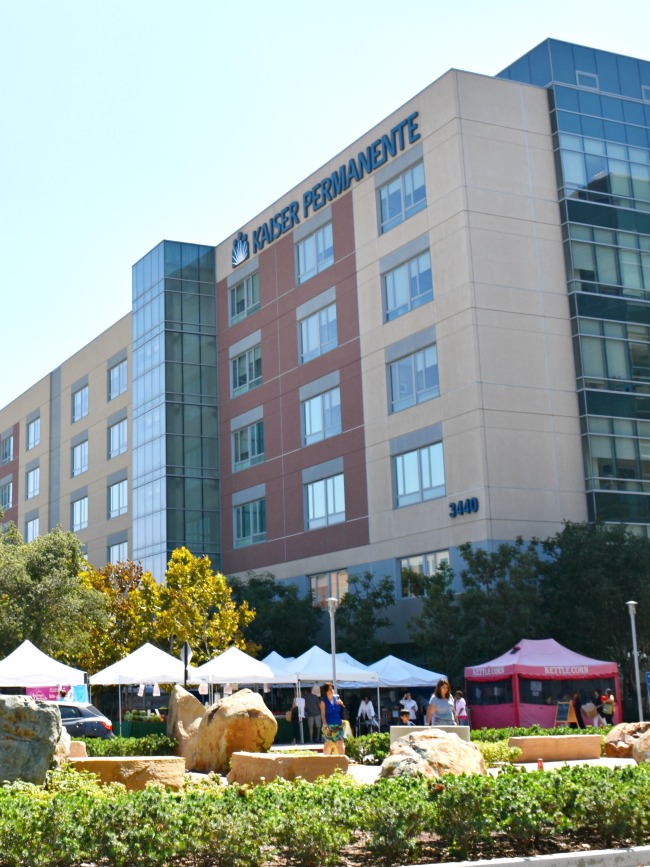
(62, 749)
(641, 748)
(432, 753)
(620, 740)
(241, 722)
(78, 750)
(135, 772)
(259, 767)
(29, 733)
(183, 721)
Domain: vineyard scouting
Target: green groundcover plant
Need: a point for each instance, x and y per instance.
(73, 820)
(149, 745)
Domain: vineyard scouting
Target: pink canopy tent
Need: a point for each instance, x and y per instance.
(523, 686)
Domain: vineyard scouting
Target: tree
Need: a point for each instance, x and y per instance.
(438, 624)
(362, 613)
(131, 596)
(42, 597)
(284, 621)
(591, 571)
(195, 605)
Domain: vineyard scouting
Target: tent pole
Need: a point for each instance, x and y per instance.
(378, 708)
(119, 703)
(515, 695)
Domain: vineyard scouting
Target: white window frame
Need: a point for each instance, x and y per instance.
(315, 253)
(118, 381)
(256, 511)
(250, 436)
(399, 199)
(325, 502)
(410, 274)
(244, 298)
(79, 518)
(588, 80)
(79, 458)
(32, 529)
(318, 333)
(7, 450)
(248, 362)
(32, 483)
(430, 562)
(408, 376)
(118, 437)
(7, 496)
(80, 403)
(425, 466)
(118, 499)
(118, 553)
(321, 416)
(33, 433)
(327, 584)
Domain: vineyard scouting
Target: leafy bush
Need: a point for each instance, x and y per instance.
(369, 749)
(150, 745)
(493, 735)
(497, 753)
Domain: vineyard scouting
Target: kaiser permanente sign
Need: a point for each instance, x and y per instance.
(375, 155)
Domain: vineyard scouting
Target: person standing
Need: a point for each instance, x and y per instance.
(312, 710)
(366, 715)
(409, 705)
(609, 706)
(297, 717)
(441, 705)
(330, 711)
(460, 708)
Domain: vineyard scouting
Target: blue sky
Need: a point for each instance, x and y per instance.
(128, 121)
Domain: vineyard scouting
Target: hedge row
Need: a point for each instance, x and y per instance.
(73, 820)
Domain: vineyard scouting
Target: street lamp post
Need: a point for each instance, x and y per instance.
(631, 607)
(332, 605)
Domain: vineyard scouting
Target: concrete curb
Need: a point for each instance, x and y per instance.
(632, 857)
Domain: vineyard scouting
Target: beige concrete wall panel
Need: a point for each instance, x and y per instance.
(504, 258)
(493, 302)
(516, 398)
(502, 102)
(513, 358)
(508, 455)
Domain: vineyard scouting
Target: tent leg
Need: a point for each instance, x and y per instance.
(119, 705)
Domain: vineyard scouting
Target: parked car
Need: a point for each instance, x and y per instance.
(84, 720)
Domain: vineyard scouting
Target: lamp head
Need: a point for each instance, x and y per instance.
(332, 604)
(631, 606)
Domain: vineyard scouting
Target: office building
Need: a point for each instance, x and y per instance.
(439, 337)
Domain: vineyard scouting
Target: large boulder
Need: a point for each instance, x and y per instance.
(239, 723)
(620, 740)
(432, 753)
(641, 748)
(29, 734)
(183, 721)
(63, 748)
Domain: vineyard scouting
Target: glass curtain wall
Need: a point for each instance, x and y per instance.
(175, 416)
(600, 116)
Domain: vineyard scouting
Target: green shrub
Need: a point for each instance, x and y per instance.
(369, 749)
(497, 753)
(150, 745)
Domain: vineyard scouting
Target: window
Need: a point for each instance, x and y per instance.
(645, 92)
(420, 475)
(402, 197)
(80, 458)
(587, 79)
(250, 523)
(328, 584)
(318, 333)
(80, 403)
(247, 371)
(321, 416)
(7, 450)
(31, 529)
(117, 439)
(325, 502)
(118, 499)
(408, 286)
(248, 446)
(32, 483)
(117, 380)
(80, 514)
(315, 253)
(6, 496)
(33, 433)
(414, 379)
(245, 298)
(414, 569)
(118, 553)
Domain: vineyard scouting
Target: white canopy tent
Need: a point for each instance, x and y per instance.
(147, 664)
(29, 666)
(235, 666)
(394, 672)
(315, 664)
